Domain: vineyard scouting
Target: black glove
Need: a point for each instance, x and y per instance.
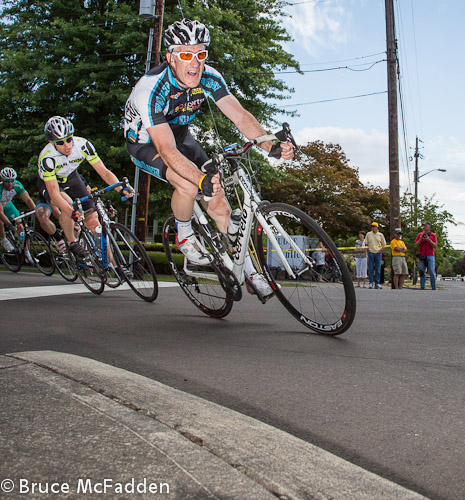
(206, 184)
(275, 151)
(210, 167)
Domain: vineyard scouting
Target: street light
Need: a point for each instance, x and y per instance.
(416, 178)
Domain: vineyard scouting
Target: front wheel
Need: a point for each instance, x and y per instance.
(202, 285)
(41, 253)
(287, 246)
(89, 269)
(12, 260)
(133, 263)
(65, 261)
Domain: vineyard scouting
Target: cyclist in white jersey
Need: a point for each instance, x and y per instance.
(157, 114)
(59, 181)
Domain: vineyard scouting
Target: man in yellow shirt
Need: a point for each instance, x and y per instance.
(375, 242)
(399, 262)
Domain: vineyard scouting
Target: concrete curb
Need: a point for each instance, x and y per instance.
(283, 465)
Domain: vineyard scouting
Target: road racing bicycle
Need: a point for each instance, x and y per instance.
(32, 241)
(116, 256)
(281, 240)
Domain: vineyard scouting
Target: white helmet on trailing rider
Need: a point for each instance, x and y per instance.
(186, 32)
(8, 174)
(58, 128)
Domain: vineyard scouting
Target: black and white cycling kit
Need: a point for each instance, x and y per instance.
(55, 165)
(157, 98)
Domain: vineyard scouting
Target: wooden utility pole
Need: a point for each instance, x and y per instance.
(391, 45)
(144, 178)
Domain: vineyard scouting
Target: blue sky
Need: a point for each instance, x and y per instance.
(334, 33)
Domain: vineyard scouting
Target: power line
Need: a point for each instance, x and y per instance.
(345, 60)
(331, 100)
(331, 69)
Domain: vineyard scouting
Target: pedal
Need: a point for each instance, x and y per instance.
(260, 297)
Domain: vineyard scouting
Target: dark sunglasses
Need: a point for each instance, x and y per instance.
(62, 141)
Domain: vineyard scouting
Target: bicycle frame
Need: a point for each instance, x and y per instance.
(27, 229)
(250, 210)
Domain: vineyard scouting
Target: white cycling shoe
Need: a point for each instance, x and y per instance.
(260, 284)
(194, 251)
(7, 246)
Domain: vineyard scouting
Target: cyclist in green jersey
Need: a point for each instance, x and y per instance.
(9, 188)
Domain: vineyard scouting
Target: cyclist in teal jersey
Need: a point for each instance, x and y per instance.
(156, 124)
(9, 188)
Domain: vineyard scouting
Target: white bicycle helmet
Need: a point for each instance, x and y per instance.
(186, 32)
(58, 128)
(8, 174)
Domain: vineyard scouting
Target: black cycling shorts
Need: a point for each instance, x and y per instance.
(146, 157)
(73, 187)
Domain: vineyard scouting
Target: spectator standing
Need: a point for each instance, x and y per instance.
(361, 259)
(376, 243)
(320, 259)
(426, 242)
(399, 262)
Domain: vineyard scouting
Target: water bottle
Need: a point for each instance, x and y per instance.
(98, 240)
(21, 236)
(233, 227)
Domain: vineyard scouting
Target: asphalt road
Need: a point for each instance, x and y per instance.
(388, 395)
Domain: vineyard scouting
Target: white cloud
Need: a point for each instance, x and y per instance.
(367, 151)
(317, 25)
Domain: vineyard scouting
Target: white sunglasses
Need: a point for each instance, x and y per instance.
(188, 56)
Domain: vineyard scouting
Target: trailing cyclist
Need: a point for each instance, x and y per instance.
(59, 182)
(156, 127)
(9, 188)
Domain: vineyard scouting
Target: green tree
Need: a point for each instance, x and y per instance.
(80, 59)
(427, 210)
(322, 183)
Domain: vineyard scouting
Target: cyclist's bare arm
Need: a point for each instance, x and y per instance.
(164, 141)
(27, 199)
(108, 176)
(3, 217)
(249, 125)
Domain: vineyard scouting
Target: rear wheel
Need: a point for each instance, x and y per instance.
(323, 303)
(201, 284)
(41, 253)
(12, 260)
(133, 263)
(65, 262)
(89, 268)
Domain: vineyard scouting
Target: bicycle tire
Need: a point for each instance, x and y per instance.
(89, 269)
(325, 307)
(112, 278)
(133, 263)
(65, 263)
(205, 291)
(12, 260)
(40, 253)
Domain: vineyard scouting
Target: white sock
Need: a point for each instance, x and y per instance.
(184, 229)
(249, 267)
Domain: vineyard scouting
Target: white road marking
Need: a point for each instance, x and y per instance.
(44, 291)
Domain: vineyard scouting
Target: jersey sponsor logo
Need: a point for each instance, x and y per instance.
(209, 83)
(196, 91)
(175, 96)
(48, 164)
(190, 106)
(88, 149)
(130, 112)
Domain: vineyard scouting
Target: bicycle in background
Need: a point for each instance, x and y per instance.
(280, 238)
(32, 249)
(115, 255)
